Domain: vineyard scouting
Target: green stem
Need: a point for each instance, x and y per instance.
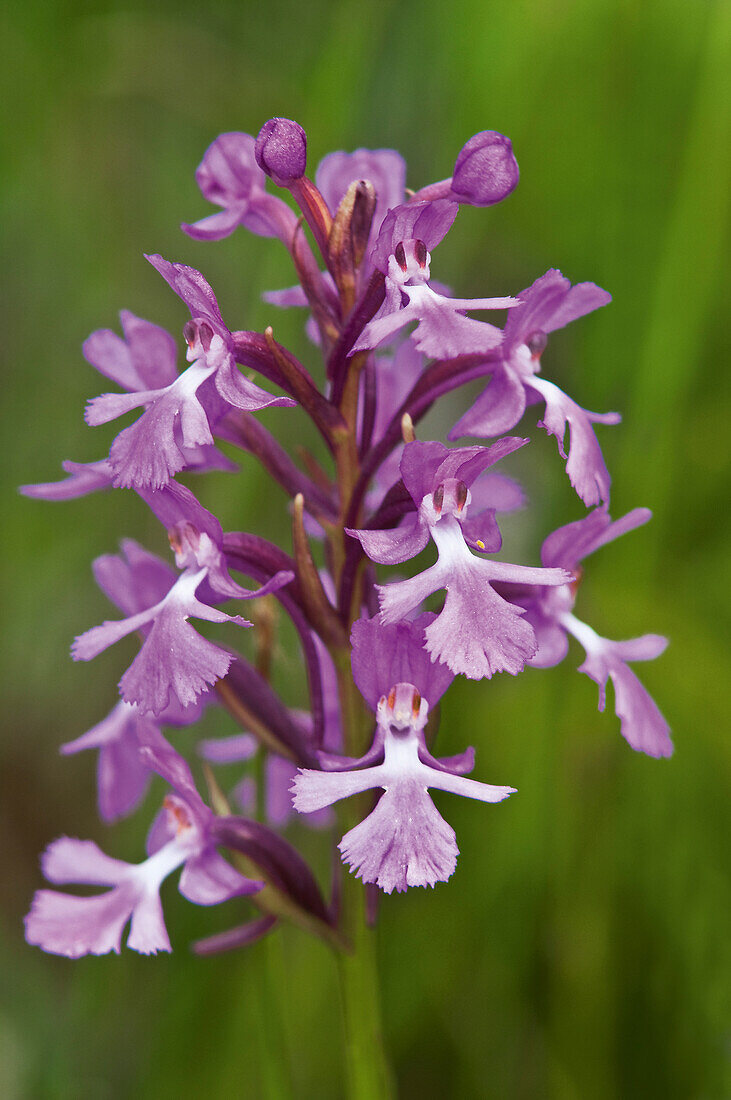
(367, 1070)
(270, 1026)
(368, 1074)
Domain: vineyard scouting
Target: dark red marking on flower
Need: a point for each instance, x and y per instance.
(189, 332)
(420, 251)
(181, 534)
(578, 577)
(175, 539)
(461, 495)
(205, 333)
(416, 704)
(177, 813)
(536, 343)
(438, 499)
(400, 254)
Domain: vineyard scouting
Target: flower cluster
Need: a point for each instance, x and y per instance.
(392, 341)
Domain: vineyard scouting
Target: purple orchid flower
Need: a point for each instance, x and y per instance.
(229, 176)
(477, 633)
(144, 361)
(179, 414)
(174, 661)
(122, 776)
(181, 836)
(404, 841)
(403, 254)
(550, 612)
(549, 304)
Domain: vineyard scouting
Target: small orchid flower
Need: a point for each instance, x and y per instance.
(175, 662)
(550, 303)
(229, 176)
(402, 253)
(66, 924)
(477, 633)
(404, 841)
(180, 414)
(550, 611)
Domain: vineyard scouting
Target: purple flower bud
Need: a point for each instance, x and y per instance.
(281, 150)
(486, 170)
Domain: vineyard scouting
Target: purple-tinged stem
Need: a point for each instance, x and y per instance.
(259, 559)
(274, 362)
(438, 379)
(370, 397)
(367, 305)
(245, 431)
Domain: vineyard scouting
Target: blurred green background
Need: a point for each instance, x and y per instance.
(581, 949)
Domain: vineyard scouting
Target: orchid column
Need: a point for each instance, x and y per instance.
(388, 341)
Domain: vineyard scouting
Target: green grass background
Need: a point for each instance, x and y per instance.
(581, 950)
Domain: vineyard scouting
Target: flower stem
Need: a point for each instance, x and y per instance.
(368, 1074)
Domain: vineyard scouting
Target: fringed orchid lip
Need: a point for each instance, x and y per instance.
(404, 841)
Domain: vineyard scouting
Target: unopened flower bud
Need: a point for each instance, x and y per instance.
(281, 150)
(364, 207)
(486, 170)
